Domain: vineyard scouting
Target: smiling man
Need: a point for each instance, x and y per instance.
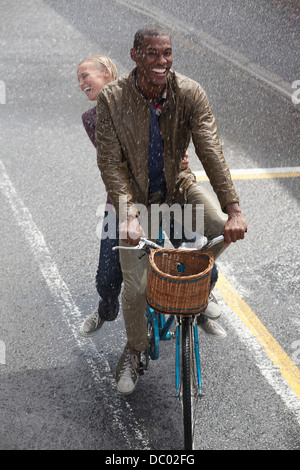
(153, 61)
(145, 122)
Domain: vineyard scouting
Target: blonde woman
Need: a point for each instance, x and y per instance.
(93, 74)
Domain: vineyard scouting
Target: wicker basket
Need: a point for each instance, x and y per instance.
(179, 281)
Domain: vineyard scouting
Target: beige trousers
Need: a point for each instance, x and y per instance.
(135, 268)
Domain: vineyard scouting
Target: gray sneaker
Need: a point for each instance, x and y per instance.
(127, 371)
(91, 326)
(211, 328)
(213, 310)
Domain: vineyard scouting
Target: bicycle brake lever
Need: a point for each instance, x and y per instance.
(213, 242)
(141, 245)
(149, 243)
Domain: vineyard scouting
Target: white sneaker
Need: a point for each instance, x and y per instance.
(92, 325)
(211, 328)
(213, 310)
(127, 371)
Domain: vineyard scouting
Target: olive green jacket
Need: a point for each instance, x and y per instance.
(122, 135)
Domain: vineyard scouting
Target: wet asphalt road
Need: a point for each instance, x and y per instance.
(57, 390)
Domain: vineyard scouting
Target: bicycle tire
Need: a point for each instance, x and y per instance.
(190, 389)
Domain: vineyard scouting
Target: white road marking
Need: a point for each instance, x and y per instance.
(99, 367)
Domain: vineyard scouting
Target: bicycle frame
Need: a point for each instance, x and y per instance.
(160, 330)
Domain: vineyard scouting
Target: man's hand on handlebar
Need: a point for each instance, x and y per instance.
(236, 225)
(130, 231)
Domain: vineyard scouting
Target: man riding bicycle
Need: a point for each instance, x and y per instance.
(145, 121)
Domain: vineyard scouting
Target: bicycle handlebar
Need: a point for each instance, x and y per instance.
(145, 243)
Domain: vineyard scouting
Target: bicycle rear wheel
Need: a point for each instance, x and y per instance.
(189, 382)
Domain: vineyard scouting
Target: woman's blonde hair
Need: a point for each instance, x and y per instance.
(104, 62)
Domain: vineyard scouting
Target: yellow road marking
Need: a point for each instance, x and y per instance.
(288, 369)
(252, 176)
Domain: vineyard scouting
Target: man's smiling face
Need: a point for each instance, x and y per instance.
(153, 61)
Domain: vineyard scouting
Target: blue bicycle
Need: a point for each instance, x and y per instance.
(160, 324)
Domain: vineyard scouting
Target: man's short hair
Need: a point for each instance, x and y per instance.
(148, 30)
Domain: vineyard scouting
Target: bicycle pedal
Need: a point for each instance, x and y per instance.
(142, 368)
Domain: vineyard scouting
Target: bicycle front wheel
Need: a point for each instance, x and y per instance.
(189, 382)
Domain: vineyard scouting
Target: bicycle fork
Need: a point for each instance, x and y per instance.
(194, 352)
